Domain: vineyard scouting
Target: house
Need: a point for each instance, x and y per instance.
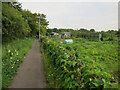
(65, 35)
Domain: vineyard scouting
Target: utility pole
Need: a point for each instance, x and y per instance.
(39, 26)
(100, 36)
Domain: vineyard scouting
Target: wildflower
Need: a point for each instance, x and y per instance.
(111, 85)
(90, 79)
(102, 77)
(15, 50)
(12, 54)
(9, 51)
(17, 53)
(10, 57)
(61, 42)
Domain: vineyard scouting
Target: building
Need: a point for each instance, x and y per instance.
(65, 35)
(54, 34)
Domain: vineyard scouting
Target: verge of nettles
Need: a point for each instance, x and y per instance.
(12, 56)
(72, 72)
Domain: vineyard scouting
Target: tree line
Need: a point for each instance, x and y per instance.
(19, 23)
(88, 34)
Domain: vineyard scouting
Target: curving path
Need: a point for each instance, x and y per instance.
(30, 73)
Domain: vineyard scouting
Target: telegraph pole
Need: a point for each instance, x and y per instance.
(39, 26)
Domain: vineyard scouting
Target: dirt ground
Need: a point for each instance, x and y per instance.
(30, 73)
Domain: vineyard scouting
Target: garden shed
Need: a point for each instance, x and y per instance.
(54, 34)
(65, 35)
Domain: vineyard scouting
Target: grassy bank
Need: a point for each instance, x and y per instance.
(48, 68)
(12, 56)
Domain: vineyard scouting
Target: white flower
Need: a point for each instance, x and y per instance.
(17, 53)
(9, 51)
(90, 79)
(12, 53)
(15, 50)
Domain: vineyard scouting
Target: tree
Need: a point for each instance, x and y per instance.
(18, 23)
(31, 19)
(92, 30)
(55, 30)
(14, 25)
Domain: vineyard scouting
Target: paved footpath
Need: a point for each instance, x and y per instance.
(30, 73)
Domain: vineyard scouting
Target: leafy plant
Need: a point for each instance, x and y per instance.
(76, 70)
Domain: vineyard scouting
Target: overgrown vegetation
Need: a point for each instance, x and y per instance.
(79, 65)
(12, 56)
(48, 68)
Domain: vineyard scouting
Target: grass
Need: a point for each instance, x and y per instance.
(12, 56)
(48, 68)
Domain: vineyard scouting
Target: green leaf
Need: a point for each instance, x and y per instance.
(97, 82)
(74, 62)
(72, 76)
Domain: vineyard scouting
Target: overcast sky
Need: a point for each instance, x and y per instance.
(76, 15)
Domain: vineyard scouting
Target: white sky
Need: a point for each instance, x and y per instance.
(97, 15)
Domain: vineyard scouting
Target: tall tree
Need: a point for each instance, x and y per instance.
(14, 25)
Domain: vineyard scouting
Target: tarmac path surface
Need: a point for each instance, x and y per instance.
(30, 73)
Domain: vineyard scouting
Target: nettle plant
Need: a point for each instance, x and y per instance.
(73, 72)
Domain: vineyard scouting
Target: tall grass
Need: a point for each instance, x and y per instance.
(12, 56)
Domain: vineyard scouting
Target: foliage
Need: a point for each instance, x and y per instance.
(13, 23)
(76, 69)
(12, 56)
(92, 30)
(31, 20)
(100, 52)
(18, 23)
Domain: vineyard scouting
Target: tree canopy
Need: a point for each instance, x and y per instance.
(19, 23)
